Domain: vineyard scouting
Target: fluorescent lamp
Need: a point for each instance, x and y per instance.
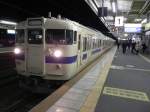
(114, 6)
(132, 25)
(144, 21)
(91, 3)
(96, 3)
(111, 18)
(137, 20)
(11, 31)
(8, 22)
(125, 34)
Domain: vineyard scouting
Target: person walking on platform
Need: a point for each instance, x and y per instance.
(118, 44)
(133, 50)
(124, 46)
(137, 47)
(144, 47)
(129, 44)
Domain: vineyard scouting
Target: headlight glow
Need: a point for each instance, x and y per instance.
(57, 53)
(17, 50)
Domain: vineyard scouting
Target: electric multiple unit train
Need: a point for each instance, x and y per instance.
(7, 36)
(56, 49)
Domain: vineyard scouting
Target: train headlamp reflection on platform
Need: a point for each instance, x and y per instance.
(17, 50)
(57, 53)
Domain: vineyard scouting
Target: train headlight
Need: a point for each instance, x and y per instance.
(17, 50)
(57, 53)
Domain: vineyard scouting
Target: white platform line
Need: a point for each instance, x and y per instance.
(145, 58)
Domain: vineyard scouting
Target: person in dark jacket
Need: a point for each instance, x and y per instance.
(124, 46)
(133, 50)
(144, 47)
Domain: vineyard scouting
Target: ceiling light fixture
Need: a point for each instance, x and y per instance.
(137, 20)
(8, 22)
(144, 21)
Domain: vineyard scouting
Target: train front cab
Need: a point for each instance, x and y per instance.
(55, 53)
(39, 55)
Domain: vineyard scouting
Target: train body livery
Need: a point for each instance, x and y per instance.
(56, 49)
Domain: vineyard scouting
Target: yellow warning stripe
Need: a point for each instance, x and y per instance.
(92, 99)
(130, 94)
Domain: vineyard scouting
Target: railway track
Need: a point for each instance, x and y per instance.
(25, 103)
(15, 99)
(7, 68)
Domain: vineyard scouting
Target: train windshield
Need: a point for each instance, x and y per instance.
(59, 36)
(20, 36)
(35, 36)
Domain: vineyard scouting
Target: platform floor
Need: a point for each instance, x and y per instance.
(84, 93)
(116, 83)
(127, 88)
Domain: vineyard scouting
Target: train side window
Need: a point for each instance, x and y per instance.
(75, 37)
(84, 44)
(59, 36)
(88, 43)
(20, 34)
(79, 42)
(100, 43)
(96, 43)
(93, 43)
(69, 36)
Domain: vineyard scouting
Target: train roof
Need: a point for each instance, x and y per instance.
(55, 22)
(70, 23)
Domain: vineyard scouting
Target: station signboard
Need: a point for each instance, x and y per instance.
(119, 21)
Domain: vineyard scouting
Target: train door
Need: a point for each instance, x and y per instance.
(34, 51)
(79, 50)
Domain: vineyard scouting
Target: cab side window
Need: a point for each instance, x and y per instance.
(75, 37)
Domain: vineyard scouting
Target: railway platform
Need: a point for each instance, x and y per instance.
(116, 82)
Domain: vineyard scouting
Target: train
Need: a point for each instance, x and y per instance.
(7, 36)
(54, 49)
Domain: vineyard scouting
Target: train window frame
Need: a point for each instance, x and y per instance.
(79, 41)
(75, 37)
(66, 34)
(33, 41)
(84, 44)
(100, 43)
(70, 40)
(88, 43)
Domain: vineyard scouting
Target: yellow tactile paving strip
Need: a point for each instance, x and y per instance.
(130, 94)
(91, 101)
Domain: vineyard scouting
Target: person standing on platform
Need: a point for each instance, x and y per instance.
(144, 47)
(118, 44)
(129, 44)
(137, 47)
(124, 46)
(133, 47)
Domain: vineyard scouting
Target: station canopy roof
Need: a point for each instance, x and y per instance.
(77, 10)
